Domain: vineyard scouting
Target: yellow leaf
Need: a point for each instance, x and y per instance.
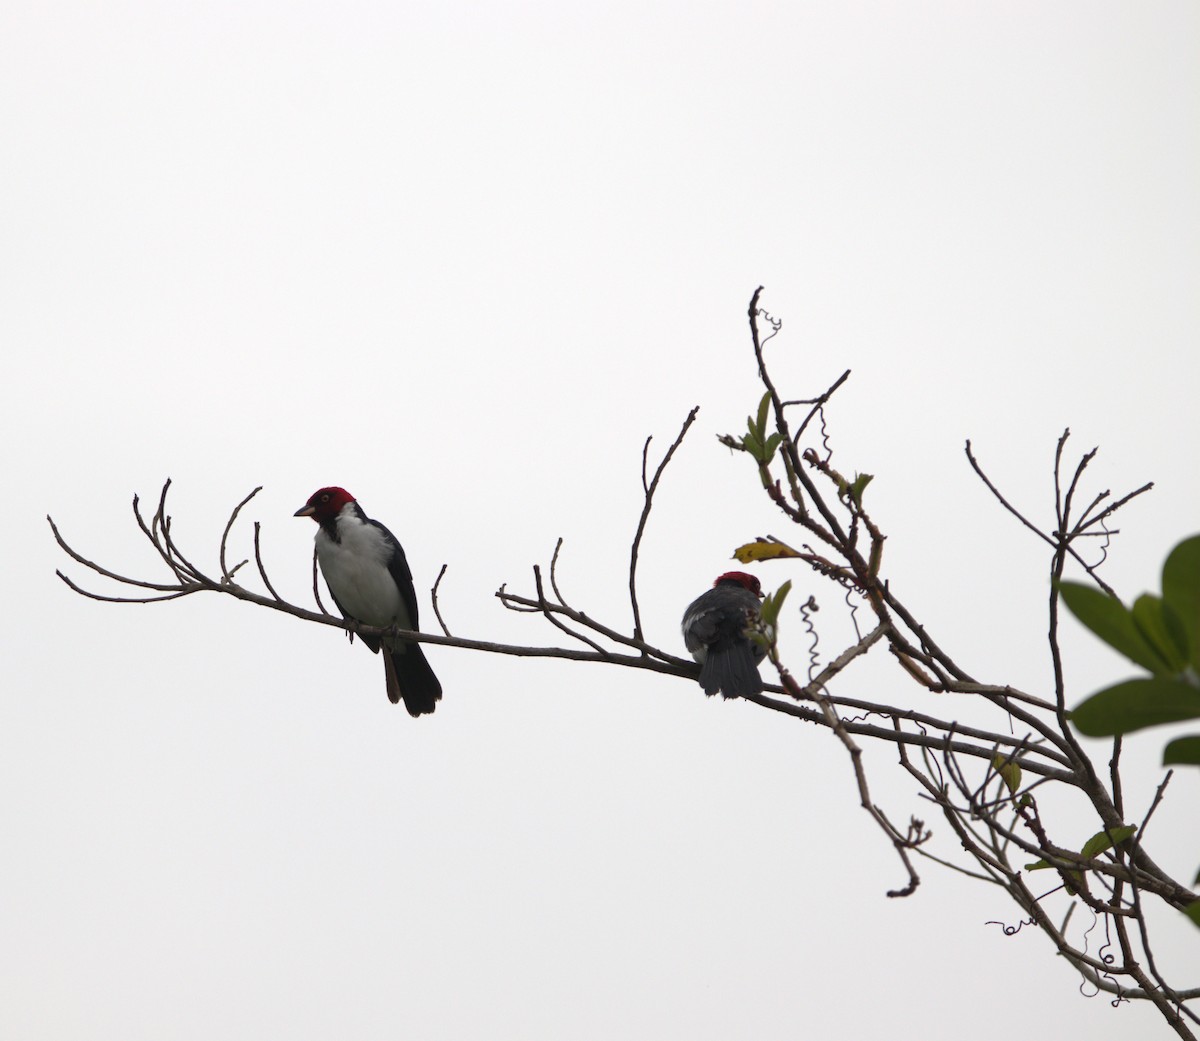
(763, 549)
(1009, 771)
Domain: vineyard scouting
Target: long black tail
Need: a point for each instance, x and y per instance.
(731, 670)
(410, 677)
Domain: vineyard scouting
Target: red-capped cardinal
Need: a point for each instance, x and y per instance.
(367, 574)
(714, 630)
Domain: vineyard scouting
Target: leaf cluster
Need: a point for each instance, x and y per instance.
(1162, 635)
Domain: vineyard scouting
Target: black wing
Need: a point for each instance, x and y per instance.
(700, 624)
(401, 575)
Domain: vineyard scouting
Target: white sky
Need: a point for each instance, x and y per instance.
(462, 259)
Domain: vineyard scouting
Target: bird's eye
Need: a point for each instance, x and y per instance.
(325, 497)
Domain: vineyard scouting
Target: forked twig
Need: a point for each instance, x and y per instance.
(649, 489)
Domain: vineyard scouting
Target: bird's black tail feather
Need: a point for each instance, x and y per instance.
(410, 677)
(731, 670)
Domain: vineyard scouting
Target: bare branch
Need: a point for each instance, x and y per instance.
(1002, 500)
(262, 571)
(817, 403)
(125, 599)
(649, 490)
(548, 614)
(901, 842)
(226, 574)
(80, 559)
(434, 596)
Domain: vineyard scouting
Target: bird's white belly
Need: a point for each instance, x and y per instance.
(358, 577)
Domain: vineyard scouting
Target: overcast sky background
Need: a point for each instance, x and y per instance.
(462, 260)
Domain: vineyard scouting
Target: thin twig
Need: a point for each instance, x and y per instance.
(226, 574)
(649, 490)
(817, 404)
(549, 612)
(437, 611)
(262, 571)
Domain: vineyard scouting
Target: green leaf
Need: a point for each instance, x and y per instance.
(1135, 704)
(1101, 841)
(1183, 751)
(1009, 771)
(762, 414)
(1111, 620)
(1094, 846)
(752, 444)
(1150, 617)
(1181, 591)
(773, 603)
(859, 486)
(1068, 875)
(1179, 636)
